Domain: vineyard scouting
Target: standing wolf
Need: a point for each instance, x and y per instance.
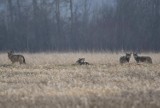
(16, 58)
(145, 59)
(125, 59)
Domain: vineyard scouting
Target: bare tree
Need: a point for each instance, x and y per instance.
(10, 8)
(71, 12)
(19, 9)
(58, 16)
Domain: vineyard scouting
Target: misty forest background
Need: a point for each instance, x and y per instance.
(73, 25)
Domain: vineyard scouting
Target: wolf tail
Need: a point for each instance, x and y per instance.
(24, 61)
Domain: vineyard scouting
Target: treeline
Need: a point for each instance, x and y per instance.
(71, 25)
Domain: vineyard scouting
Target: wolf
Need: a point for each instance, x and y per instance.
(81, 61)
(16, 58)
(125, 59)
(145, 59)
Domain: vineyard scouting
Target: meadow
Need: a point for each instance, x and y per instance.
(51, 80)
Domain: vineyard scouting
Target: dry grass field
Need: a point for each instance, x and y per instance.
(50, 80)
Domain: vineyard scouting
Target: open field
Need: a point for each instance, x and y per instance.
(50, 80)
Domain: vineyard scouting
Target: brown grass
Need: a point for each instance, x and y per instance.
(51, 80)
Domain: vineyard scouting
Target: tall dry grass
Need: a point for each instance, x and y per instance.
(51, 80)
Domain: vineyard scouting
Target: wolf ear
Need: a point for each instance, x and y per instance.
(127, 53)
(135, 53)
(10, 52)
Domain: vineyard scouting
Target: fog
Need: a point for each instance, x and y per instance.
(75, 25)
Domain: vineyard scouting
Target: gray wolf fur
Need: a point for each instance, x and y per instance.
(125, 59)
(145, 59)
(16, 58)
(81, 61)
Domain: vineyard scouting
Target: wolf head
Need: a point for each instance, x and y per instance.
(10, 53)
(135, 55)
(128, 55)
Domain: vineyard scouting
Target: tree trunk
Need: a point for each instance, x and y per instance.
(35, 25)
(10, 7)
(58, 16)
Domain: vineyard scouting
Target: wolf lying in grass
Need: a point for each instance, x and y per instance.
(81, 61)
(16, 58)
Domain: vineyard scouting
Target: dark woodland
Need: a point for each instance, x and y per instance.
(75, 25)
